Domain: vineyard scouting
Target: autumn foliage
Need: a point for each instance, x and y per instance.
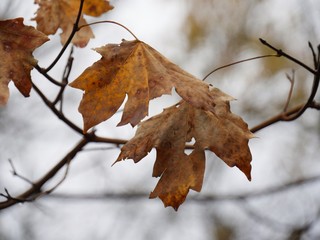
(136, 70)
(17, 44)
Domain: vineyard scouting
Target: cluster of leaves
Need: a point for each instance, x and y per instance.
(136, 70)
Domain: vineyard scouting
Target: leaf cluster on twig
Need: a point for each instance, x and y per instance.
(135, 69)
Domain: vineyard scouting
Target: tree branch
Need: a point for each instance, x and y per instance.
(281, 117)
(310, 100)
(59, 114)
(35, 190)
(281, 53)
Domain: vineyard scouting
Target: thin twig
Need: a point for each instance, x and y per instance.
(47, 76)
(281, 53)
(65, 80)
(310, 101)
(73, 32)
(318, 60)
(119, 142)
(9, 197)
(55, 111)
(291, 79)
(314, 55)
(61, 180)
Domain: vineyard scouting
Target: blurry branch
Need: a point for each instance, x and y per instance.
(60, 182)
(204, 198)
(296, 232)
(297, 111)
(316, 58)
(35, 190)
(259, 216)
(291, 79)
(65, 80)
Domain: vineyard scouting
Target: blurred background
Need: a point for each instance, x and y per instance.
(98, 201)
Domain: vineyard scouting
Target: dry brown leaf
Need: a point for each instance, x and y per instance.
(183, 172)
(52, 15)
(220, 131)
(17, 42)
(136, 69)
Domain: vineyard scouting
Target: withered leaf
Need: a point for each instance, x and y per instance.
(17, 42)
(52, 15)
(219, 131)
(183, 172)
(135, 69)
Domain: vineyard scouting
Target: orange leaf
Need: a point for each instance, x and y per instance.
(220, 131)
(17, 42)
(52, 15)
(136, 69)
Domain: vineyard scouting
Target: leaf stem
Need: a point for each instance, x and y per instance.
(237, 62)
(112, 22)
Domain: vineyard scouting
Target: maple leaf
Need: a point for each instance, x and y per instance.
(136, 69)
(219, 131)
(17, 42)
(52, 15)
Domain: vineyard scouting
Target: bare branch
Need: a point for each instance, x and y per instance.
(47, 76)
(291, 79)
(204, 198)
(280, 117)
(281, 53)
(35, 190)
(310, 101)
